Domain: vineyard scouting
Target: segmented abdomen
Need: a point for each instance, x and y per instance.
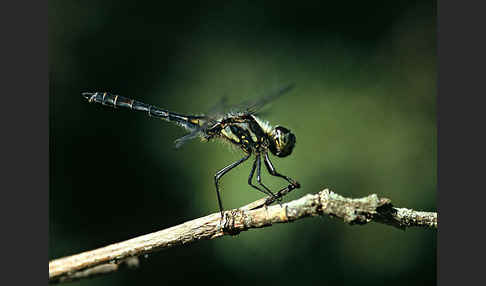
(105, 98)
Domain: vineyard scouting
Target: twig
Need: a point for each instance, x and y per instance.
(353, 211)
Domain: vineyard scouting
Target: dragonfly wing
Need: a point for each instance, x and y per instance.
(193, 134)
(219, 107)
(255, 105)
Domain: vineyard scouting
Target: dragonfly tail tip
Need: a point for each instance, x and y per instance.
(87, 95)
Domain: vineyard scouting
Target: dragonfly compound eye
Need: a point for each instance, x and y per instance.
(283, 142)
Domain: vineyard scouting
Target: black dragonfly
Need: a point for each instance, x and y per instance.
(238, 125)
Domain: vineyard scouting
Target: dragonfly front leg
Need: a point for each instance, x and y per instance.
(271, 169)
(223, 171)
(273, 172)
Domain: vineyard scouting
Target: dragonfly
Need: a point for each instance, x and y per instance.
(239, 125)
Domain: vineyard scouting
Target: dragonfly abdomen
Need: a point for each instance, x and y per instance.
(112, 100)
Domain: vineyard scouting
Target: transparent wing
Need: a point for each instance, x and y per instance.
(254, 106)
(221, 108)
(214, 112)
(192, 135)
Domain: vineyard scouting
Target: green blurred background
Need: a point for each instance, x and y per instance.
(363, 111)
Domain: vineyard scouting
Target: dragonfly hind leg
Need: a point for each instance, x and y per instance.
(221, 173)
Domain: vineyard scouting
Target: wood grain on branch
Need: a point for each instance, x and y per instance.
(353, 211)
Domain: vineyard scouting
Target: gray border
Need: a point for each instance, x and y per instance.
(24, 142)
(461, 77)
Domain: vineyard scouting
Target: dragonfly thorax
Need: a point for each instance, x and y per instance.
(282, 141)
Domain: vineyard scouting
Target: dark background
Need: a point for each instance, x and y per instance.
(363, 111)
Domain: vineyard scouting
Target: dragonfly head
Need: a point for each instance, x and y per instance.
(283, 141)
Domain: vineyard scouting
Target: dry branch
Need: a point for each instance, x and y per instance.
(353, 211)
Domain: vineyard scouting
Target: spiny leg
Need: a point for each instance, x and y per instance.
(259, 178)
(223, 171)
(250, 178)
(271, 169)
(273, 172)
(280, 194)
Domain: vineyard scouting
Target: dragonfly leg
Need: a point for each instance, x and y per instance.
(273, 172)
(259, 178)
(223, 171)
(271, 169)
(250, 178)
(280, 194)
